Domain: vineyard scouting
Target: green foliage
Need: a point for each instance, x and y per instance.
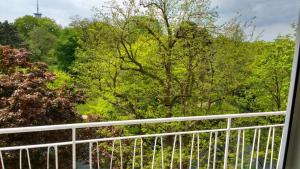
(40, 36)
(66, 47)
(162, 59)
(42, 45)
(151, 63)
(271, 75)
(27, 23)
(9, 34)
(62, 79)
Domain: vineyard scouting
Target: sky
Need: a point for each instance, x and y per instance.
(273, 17)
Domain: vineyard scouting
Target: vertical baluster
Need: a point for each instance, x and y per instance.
(272, 148)
(257, 150)
(227, 142)
(198, 151)
(141, 153)
(173, 151)
(74, 148)
(56, 156)
(209, 149)
(98, 156)
(180, 152)
(215, 150)
(1, 160)
(267, 148)
(252, 151)
(134, 149)
(192, 147)
(20, 159)
(243, 150)
(154, 149)
(121, 154)
(237, 150)
(112, 154)
(279, 152)
(90, 155)
(28, 158)
(48, 157)
(162, 153)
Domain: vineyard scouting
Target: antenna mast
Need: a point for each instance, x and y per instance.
(37, 14)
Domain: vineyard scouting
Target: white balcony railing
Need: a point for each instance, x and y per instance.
(216, 141)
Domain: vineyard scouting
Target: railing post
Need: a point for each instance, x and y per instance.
(74, 148)
(227, 142)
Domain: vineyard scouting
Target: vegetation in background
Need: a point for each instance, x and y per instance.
(9, 34)
(155, 58)
(40, 36)
(25, 100)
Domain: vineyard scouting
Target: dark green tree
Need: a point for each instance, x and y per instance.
(40, 36)
(66, 47)
(27, 23)
(9, 34)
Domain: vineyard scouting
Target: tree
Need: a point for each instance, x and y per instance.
(158, 59)
(42, 44)
(40, 36)
(66, 47)
(25, 100)
(148, 47)
(271, 77)
(9, 34)
(27, 23)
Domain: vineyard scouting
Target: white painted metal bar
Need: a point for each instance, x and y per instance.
(20, 159)
(55, 154)
(280, 149)
(1, 160)
(56, 157)
(252, 151)
(257, 148)
(215, 150)
(133, 122)
(28, 158)
(243, 150)
(154, 149)
(209, 150)
(237, 150)
(121, 154)
(180, 152)
(91, 155)
(74, 148)
(267, 148)
(162, 153)
(227, 142)
(192, 148)
(175, 133)
(112, 155)
(133, 157)
(131, 137)
(98, 155)
(198, 151)
(141, 153)
(179, 134)
(173, 151)
(272, 148)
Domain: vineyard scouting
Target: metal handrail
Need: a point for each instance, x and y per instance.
(134, 122)
(74, 141)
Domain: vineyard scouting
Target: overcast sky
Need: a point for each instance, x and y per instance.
(272, 16)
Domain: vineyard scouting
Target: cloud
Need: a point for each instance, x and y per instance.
(273, 16)
(60, 10)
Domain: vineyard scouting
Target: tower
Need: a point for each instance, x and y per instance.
(37, 14)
